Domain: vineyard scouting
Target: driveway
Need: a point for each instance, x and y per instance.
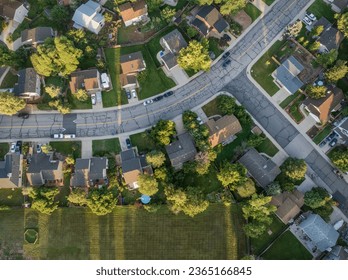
(280, 95)
(177, 74)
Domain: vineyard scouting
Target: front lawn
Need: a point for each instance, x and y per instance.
(106, 147)
(289, 99)
(67, 148)
(11, 197)
(4, 149)
(295, 111)
(9, 80)
(252, 11)
(214, 47)
(287, 247)
(143, 141)
(268, 2)
(211, 108)
(322, 134)
(267, 147)
(320, 9)
(77, 104)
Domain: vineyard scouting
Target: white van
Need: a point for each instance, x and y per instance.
(105, 80)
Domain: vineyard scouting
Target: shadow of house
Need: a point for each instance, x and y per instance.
(11, 171)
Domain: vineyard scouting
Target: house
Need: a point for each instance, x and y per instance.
(330, 39)
(132, 166)
(323, 22)
(11, 171)
(172, 43)
(44, 170)
(262, 169)
(288, 205)
(323, 235)
(131, 65)
(89, 172)
(13, 10)
(209, 22)
(223, 130)
(285, 76)
(89, 16)
(36, 35)
(133, 12)
(181, 150)
(320, 109)
(342, 130)
(337, 253)
(28, 85)
(128, 81)
(88, 80)
(339, 5)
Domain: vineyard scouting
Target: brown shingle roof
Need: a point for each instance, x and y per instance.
(86, 79)
(132, 62)
(129, 11)
(222, 129)
(8, 8)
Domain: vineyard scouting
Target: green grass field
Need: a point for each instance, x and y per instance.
(269, 2)
(9, 80)
(143, 141)
(67, 148)
(127, 233)
(107, 146)
(320, 9)
(288, 100)
(267, 147)
(11, 197)
(252, 11)
(4, 149)
(211, 108)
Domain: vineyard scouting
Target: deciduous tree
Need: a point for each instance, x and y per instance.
(155, 158)
(339, 157)
(294, 169)
(195, 56)
(342, 23)
(147, 184)
(167, 14)
(337, 72)
(316, 197)
(81, 95)
(10, 104)
(232, 174)
(163, 131)
(53, 91)
(101, 201)
(316, 92)
(43, 199)
(226, 104)
(78, 197)
(327, 59)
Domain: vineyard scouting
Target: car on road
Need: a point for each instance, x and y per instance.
(311, 16)
(307, 21)
(134, 93)
(226, 63)
(93, 98)
(69, 136)
(38, 148)
(199, 120)
(13, 147)
(128, 143)
(58, 136)
(158, 98)
(333, 142)
(167, 94)
(129, 96)
(19, 146)
(148, 102)
(226, 55)
(23, 115)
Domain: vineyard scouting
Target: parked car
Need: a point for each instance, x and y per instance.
(158, 98)
(93, 98)
(58, 136)
(226, 55)
(226, 63)
(199, 120)
(333, 142)
(311, 16)
(38, 148)
(128, 143)
(13, 147)
(322, 144)
(307, 21)
(134, 93)
(19, 146)
(23, 115)
(129, 96)
(148, 102)
(167, 94)
(331, 136)
(69, 136)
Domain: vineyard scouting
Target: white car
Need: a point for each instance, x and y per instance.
(307, 21)
(69, 136)
(134, 93)
(38, 148)
(105, 80)
(93, 98)
(312, 17)
(13, 147)
(199, 120)
(58, 136)
(147, 102)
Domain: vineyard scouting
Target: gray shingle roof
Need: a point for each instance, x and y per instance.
(263, 170)
(11, 165)
(331, 38)
(323, 22)
(322, 234)
(200, 25)
(170, 60)
(175, 41)
(88, 171)
(26, 81)
(221, 25)
(37, 35)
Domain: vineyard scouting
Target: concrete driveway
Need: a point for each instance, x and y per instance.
(177, 74)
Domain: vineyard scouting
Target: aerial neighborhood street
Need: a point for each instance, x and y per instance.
(245, 119)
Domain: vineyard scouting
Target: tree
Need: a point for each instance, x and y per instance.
(191, 32)
(167, 14)
(316, 31)
(57, 104)
(327, 59)
(314, 46)
(10, 104)
(81, 95)
(246, 189)
(60, 16)
(226, 104)
(316, 197)
(43, 199)
(161, 174)
(101, 201)
(46, 148)
(232, 174)
(273, 189)
(58, 56)
(316, 92)
(154, 4)
(294, 169)
(294, 29)
(255, 140)
(163, 131)
(339, 157)
(195, 56)
(156, 158)
(69, 160)
(147, 184)
(53, 91)
(203, 160)
(230, 6)
(337, 72)
(255, 229)
(342, 23)
(108, 17)
(78, 197)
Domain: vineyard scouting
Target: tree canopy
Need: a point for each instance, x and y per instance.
(339, 157)
(294, 169)
(78, 197)
(163, 131)
(10, 104)
(232, 174)
(316, 197)
(327, 59)
(316, 92)
(195, 56)
(167, 14)
(147, 184)
(81, 95)
(337, 72)
(226, 104)
(342, 23)
(156, 158)
(227, 7)
(43, 199)
(101, 201)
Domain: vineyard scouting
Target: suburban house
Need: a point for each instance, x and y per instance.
(339, 5)
(342, 130)
(133, 12)
(13, 10)
(88, 80)
(223, 130)
(323, 235)
(28, 85)
(89, 172)
(337, 253)
(131, 65)
(285, 76)
(89, 16)
(209, 22)
(323, 22)
(181, 150)
(44, 170)
(320, 109)
(288, 205)
(36, 35)
(132, 166)
(330, 38)
(172, 43)
(11, 171)
(262, 169)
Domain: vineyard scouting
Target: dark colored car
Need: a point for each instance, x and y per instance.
(129, 96)
(331, 136)
(226, 38)
(128, 142)
(158, 98)
(226, 55)
(333, 142)
(19, 146)
(322, 144)
(23, 115)
(167, 94)
(226, 63)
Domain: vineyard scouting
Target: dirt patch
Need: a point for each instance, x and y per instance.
(243, 19)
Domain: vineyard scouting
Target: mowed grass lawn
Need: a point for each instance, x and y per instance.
(107, 146)
(321, 9)
(211, 108)
(67, 148)
(322, 134)
(252, 11)
(267, 147)
(287, 247)
(128, 233)
(269, 2)
(11, 197)
(143, 141)
(4, 149)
